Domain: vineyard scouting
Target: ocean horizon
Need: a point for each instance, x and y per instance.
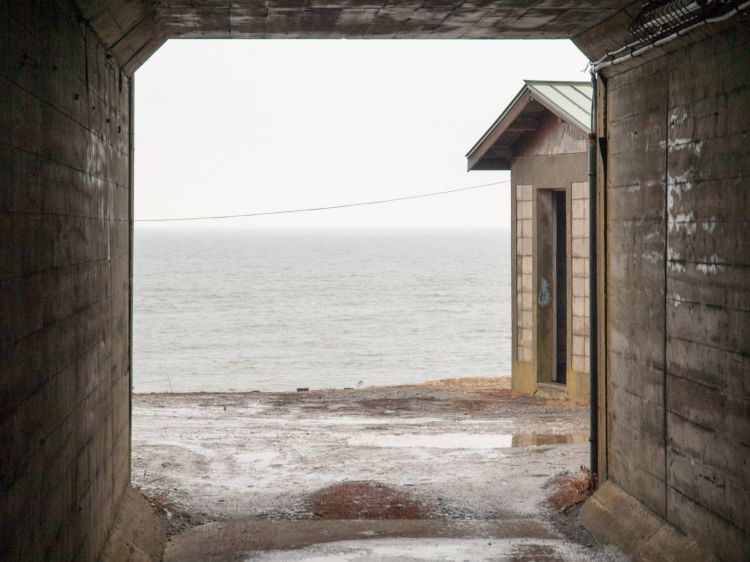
(230, 310)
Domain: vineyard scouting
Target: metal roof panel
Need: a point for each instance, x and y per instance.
(572, 99)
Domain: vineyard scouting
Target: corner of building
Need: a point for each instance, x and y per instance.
(579, 387)
(522, 378)
(138, 533)
(615, 517)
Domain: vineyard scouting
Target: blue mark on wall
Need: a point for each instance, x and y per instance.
(543, 292)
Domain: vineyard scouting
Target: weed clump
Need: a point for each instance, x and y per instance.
(573, 490)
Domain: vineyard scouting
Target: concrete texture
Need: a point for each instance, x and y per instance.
(580, 345)
(617, 518)
(510, 539)
(64, 284)
(676, 202)
(132, 31)
(677, 295)
(523, 319)
(138, 534)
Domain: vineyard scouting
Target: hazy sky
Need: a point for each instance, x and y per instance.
(228, 127)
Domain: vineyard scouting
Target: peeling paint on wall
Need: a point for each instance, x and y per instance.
(653, 257)
(709, 225)
(676, 187)
(675, 260)
(687, 143)
(681, 221)
(681, 182)
(710, 265)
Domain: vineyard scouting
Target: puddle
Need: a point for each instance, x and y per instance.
(536, 439)
(436, 441)
(466, 440)
(356, 420)
(350, 421)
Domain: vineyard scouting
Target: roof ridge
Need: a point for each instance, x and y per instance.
(576, 82)
(578, 109)
(569, 100)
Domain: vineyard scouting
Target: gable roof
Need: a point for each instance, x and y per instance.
(570, 101)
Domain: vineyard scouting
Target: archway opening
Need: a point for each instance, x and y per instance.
(280, 360)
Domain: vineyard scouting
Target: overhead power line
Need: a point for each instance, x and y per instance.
(330, 207)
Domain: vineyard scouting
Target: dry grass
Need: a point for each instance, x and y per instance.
(502, 383)
(573, 490)
(161, 499)
(175, 519)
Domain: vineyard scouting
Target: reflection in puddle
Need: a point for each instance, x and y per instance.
(467, 440)
(436, 441)
(535, 439)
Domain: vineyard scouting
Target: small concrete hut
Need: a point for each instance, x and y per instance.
(541, 137)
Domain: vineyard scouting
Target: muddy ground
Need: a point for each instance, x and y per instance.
(458, 450)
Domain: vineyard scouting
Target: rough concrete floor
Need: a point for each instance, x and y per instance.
(451, 470)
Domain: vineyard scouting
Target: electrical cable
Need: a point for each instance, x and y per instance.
(328, 208)
(610, 58)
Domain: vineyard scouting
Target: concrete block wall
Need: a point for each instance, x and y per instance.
(678, 297)
(64, 284)
(524, 283)
(578, 372)
(529, 175)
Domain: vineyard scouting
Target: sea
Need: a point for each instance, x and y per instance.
(226, 310)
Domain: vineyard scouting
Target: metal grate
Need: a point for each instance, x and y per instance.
(659, 18)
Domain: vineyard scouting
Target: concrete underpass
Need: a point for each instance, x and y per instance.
(672, 219)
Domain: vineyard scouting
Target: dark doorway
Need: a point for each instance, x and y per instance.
(551, 247)
(560, 253)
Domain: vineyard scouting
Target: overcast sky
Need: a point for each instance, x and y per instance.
(227, 127)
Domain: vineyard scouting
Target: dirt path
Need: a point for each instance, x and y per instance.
(449, 451)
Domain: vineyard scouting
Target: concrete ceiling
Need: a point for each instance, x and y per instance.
(134, 29)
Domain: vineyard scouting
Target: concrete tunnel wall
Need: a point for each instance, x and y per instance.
(64, 228)
(64, 285)
(678, 284)
(677, 307)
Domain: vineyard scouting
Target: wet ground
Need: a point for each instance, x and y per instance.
(451, 467)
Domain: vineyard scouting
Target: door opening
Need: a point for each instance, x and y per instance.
(560, 253)
(552, 280)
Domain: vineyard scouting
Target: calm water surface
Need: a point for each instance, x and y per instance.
(234, 310)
